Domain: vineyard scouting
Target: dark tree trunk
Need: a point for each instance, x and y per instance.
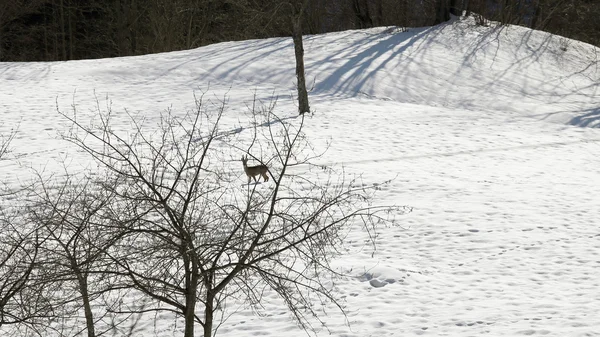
(209, 315)
(63, 33)
(122, 15)
(535, 15)
(189, 317)
(82, 283)
(442, 11)
(456, 7)
(191, 285)
(87, 307)
(362, 13)
(303, 105)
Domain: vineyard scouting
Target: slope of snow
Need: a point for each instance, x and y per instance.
(503, 239)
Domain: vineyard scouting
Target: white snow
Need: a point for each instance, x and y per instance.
(488, 132)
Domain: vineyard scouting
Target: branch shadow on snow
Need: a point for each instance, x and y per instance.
(591, 119)
(356, 71)
(524, 79)
(227, 55)
(226, 133)
(487, 68)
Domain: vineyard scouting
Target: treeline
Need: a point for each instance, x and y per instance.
(45, 30)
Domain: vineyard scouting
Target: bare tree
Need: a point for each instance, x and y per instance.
(19, 248)
(18, 253)
(23, 305)
(71, 212)
(195, 241)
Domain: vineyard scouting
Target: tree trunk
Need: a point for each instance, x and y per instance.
(191, 285)
(303, 105)
(82, 283)
(122, 17)
(63, 33)
(361, 11)
(209, 314)
(456, 7)
(190, 305)
(87, 308)
(467, 7)
(535, 15)
(71, 35)
(442, 11)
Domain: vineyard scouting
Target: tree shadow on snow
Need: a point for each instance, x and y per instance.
(591, 119)
(358, 69)
(226, 133)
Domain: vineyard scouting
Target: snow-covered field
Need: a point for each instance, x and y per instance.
(488, 132)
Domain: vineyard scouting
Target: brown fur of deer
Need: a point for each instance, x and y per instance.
(253, 171)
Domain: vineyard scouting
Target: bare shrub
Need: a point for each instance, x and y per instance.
(23, 305)
(193, 241)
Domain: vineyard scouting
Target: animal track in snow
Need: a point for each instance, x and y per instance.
(377, 280)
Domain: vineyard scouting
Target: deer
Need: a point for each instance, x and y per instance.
(253, 171)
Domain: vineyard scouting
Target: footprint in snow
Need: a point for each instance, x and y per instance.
(377, 283)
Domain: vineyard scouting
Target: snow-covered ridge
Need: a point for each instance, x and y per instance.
(456, 64)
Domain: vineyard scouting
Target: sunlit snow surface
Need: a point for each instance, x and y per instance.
(489, 133)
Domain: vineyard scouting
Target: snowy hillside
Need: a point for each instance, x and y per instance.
(489, 133)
